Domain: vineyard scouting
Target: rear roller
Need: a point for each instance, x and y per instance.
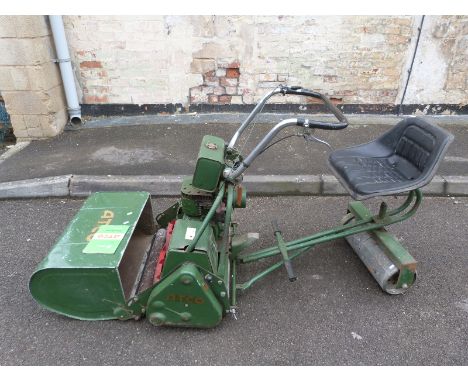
(374, 257)
(385, 258)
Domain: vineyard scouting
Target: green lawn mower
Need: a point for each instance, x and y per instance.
(114, 261)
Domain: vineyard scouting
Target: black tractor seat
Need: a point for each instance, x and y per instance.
(403, 159)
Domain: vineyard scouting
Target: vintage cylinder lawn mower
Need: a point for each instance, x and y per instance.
(112, 261)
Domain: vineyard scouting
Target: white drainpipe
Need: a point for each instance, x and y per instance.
(63, 58)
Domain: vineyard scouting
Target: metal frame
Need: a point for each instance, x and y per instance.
(234, 173)
(358, 220)
(252, 115)
(365, 222)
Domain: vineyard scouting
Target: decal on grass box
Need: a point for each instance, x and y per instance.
(106, 239)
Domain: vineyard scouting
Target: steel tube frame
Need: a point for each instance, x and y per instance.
(303, 244)
(252, 115)
(224, 253)
(208, 217)
(235, 173)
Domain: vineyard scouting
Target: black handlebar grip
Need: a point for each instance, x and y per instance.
(342, 121)
(297, 90)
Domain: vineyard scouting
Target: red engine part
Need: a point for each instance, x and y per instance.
(163, 253)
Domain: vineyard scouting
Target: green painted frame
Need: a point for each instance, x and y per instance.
(364, 222)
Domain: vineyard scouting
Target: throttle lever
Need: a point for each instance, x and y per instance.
(310, 138)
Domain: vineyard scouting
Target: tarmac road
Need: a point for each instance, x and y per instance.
(335, 314)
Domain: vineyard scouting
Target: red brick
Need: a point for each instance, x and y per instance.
(232, 64)
(312, 100)
(219, 90)
(96, 99)
(224, 99)
(212, 98)
(232, 73)
(336, 100)
(228, 81)
(90, 64)
(211, 73)
(211, 81)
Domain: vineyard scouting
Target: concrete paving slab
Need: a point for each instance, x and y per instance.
(36, 188)
(82, 185)
(456, 185)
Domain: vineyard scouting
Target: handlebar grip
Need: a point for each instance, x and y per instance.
(297, 90)
(336, 112)
(343, 122)
(303, 122)
(289, 269)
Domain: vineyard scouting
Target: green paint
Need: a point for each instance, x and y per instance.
(184, 299)
(93, 270)
(366, 222)
(398, 254)
(89, 286)
(210, 163)
(204, 255)
(209, 216)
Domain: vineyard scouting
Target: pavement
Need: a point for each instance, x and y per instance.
(154, 153)
(334, 314)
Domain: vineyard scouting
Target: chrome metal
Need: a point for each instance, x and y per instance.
(252, 115)
(233, 312)
(232, 174)
(310, 137)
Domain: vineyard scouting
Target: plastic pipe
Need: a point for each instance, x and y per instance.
(64, 61)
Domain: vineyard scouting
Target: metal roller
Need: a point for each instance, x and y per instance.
(373, 255)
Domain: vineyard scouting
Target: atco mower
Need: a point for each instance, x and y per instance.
(114, 261)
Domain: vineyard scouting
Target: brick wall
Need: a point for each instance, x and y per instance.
(236, 59)
(187, 61)
(30, 81)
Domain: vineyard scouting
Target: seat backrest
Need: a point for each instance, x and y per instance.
(420, 142)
